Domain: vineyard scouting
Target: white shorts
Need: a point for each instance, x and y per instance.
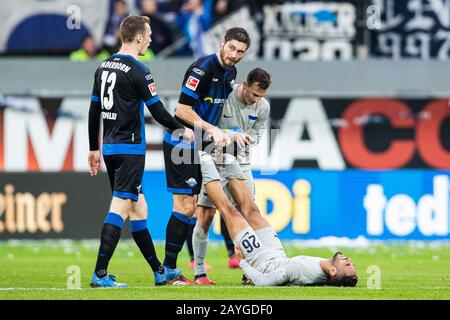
(260, 257)
(205, 201)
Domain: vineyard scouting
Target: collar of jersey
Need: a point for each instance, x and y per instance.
(132, 58)
(124, 55)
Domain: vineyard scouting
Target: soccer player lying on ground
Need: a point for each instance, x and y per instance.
(263, 258)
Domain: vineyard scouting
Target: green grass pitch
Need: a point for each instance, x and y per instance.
(38, 270)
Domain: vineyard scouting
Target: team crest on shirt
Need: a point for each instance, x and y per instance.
(152, 89)
(192, 83)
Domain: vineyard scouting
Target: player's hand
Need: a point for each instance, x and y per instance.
(188, 135)
(238, 253)
(243, 139)
(221, 139)
(94, 162)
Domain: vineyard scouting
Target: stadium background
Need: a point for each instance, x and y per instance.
(360, 118)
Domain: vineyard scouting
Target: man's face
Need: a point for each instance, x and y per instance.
(120, 8)
(232, 52)
(343, 265)
(253, 93)
(146, 40)
(89, 45)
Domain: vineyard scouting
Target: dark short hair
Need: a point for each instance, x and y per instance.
(131, 26)
(343, 281)
(238, 34)
(261, 76)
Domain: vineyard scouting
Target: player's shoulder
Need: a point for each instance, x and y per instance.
(136, 65)
(263, 105)
(202, 66)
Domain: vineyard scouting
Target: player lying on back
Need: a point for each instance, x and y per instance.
(263, 258)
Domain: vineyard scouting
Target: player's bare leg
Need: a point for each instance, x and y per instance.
(247, 206)
(233, 218)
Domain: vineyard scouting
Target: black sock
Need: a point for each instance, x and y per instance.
(144, 241)
(190, 231)
(199, 276)
(109, 238)
(226, 237)
(176, 231)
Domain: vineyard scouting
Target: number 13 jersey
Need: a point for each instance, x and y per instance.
(122, 86)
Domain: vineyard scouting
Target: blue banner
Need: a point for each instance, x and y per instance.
(312, 203)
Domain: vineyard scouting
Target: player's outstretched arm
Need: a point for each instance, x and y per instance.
(160, 114)
(185, 113)
(276, 278)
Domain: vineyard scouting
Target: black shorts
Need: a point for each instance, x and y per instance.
(125, 173)
(183, 174)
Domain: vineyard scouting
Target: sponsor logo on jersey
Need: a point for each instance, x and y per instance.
(192, 83)
(152, 89)
(148, 77)
(215, 101)
(198, 71)
(215, 79)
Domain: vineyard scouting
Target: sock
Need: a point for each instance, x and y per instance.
(109, 238)
(176, 231)
(200, 244)
(269, 238)
(226, 237)
(144, 241)
(190, 231)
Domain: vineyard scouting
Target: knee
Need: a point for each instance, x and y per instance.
(250, 210)
(200, 233)
(229, 209)
(185, 206)
(139, 214)
(206, 218)
(189, 209)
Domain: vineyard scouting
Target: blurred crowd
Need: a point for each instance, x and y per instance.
(177, 26)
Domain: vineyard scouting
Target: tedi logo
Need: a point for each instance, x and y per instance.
(401, 214)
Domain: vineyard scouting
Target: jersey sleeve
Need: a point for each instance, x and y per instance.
(195, 86)
(94, 117)
(146, 87)
(95, 96)
(276, 278)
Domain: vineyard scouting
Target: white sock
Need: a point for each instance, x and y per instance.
(200, 245)
(269, 238)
